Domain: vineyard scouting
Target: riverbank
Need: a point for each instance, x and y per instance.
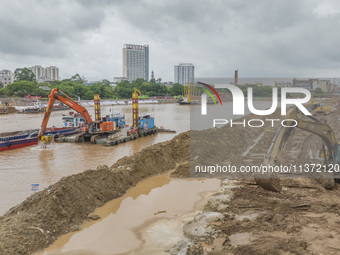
(22, 102)
(64, 206)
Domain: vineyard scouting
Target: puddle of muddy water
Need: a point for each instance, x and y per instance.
(148, 219)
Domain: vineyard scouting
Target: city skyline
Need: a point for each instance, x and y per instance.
(278, 39)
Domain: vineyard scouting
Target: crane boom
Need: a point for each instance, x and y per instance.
(67, 101)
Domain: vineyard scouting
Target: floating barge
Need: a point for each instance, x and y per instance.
(120, 137)
(20, 139)
(146, 128)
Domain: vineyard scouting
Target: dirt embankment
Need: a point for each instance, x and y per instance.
(65, 205)
(17, 101)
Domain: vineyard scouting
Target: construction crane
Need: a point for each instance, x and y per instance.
(135, 107)
(323, 130)
(92, 129)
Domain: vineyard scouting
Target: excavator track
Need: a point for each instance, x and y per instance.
(94, 138)
(79, 138)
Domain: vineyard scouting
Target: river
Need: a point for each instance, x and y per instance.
(21, 168)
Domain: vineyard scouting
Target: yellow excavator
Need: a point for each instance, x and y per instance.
(316, 108)
(331, 155)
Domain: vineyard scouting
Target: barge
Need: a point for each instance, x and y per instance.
(20, 139)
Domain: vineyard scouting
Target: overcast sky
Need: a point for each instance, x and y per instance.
(288, 38)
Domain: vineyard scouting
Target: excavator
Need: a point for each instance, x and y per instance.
(316, 108)
(331, 155)
(92, 129)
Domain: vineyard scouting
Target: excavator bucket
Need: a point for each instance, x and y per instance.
(270, 184)
(46, 139)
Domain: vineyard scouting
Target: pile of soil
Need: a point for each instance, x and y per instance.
(232, 145)
(64, 206)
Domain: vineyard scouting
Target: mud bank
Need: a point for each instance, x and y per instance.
(303, 219)
(62, 207)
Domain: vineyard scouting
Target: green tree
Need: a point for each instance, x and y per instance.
(77, 78)
(177, 89)
(24, 74)
(106, 82)
(1, 85)
(318, 91)
(144, 88)
(89, 95)
(123, 89)
(3, 92)
(23, 88)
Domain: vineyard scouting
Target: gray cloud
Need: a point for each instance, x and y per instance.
(260, 38)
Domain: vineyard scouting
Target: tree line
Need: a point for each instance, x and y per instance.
(26, 84)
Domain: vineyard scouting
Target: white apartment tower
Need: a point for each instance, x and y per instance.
(184, 73)
(43, 74)
(136, 62)
(6, 77)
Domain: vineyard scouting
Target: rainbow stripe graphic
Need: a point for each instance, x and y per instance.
(208, 92)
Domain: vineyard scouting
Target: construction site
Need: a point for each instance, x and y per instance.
(280, 214)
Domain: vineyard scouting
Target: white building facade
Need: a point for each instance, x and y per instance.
(6, 77)
(136, 62)
(184, 73)
(45, 74)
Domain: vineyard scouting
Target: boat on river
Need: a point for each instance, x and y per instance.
(20, 139)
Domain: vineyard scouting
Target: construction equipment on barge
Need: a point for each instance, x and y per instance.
(92, 130)
(142, 125)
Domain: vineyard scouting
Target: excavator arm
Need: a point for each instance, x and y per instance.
(67, 101)
(323, 130)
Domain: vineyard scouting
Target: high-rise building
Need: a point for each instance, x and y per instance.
(184, 73)
(136, 62)
(52, 73)
(43, 74)
(5, 77)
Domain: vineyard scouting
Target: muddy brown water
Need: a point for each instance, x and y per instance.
(154, 225)
(34, 165)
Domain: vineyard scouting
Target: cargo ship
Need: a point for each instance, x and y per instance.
(20, 139)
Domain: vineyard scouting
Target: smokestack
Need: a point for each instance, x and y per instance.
(236, 78)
